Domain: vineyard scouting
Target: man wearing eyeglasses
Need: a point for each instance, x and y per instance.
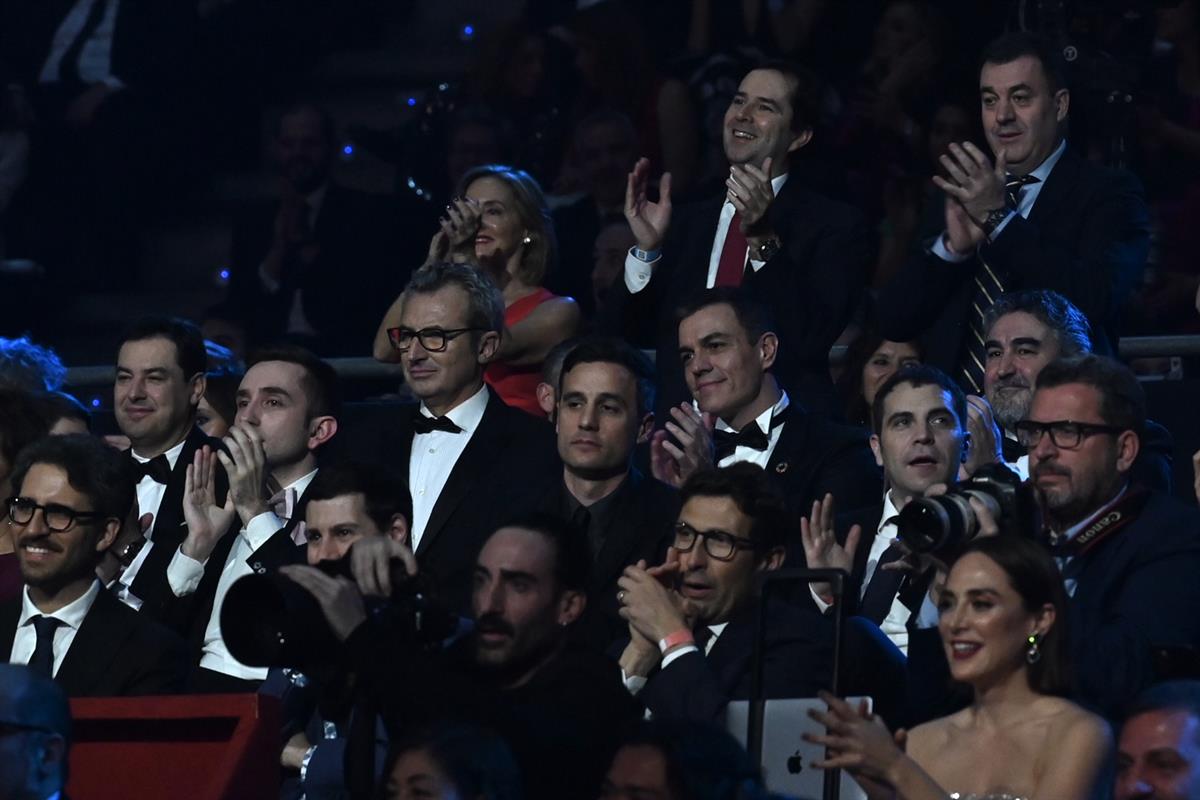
(71, 494)
(1130, 556)
(470, 459)
(691, 620)
(35, 735)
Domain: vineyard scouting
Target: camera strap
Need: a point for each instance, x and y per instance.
(1103, 524)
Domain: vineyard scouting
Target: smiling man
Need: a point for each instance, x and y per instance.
(71, 495)
(1033, 213)
(802, 255)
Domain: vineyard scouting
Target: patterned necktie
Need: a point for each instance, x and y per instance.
(988, 286)
(732, 266)
(42, 660)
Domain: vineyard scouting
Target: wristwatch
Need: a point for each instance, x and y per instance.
(767, 249)
(994, 218)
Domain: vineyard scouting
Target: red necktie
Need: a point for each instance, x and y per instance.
(733, 255)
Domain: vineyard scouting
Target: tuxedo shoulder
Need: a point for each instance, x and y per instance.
(139, 629)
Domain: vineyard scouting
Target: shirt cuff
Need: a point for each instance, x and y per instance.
(268, 283)
(1003, 224)
(634, 683)
(939, 249)
(675, 654)
(638, 272)
(756, 265)
(184, 573)
(261, 528)
(822, 606)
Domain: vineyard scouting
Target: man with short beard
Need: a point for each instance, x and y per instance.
(1026, 331)
(1129, 555)
(320, 264)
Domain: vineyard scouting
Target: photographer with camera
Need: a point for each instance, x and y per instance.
(557, 704)
(1129, 555)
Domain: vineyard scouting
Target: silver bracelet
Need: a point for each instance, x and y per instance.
(308, 754)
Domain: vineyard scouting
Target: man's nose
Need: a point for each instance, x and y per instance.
(589, 418)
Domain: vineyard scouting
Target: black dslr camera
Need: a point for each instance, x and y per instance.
(268, 620)
(941, 526)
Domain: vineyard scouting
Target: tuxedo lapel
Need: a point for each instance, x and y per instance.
(485, 444)
(96, 645)
(1057, 190)
(10, 613)
(623, 534)
(169, 527)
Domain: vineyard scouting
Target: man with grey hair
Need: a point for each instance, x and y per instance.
(467, 456)
(35, 735)
(1027, 330)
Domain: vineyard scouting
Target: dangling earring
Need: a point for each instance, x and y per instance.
(1034, 653)
(528, 239)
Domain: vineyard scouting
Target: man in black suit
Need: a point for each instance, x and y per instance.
(802, 255)
(691, 619)
(606, 393)
(469, 459)
(728, 346)
(319, 265)
(920, 438)
(159, 384)
(1129, 556)
(1039, 217)
(71, 495)
(36, 719)
(1026, 330)
(288, 407)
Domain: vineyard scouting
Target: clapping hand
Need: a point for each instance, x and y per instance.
(649, 221)
(749, 189)
(207, 522)
(821, 548)
(857, 740)
(246, 466)
(340, 600)
(674, 463)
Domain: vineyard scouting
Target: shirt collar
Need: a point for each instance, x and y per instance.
(1073, 531)
(468, 413)
(172, 454)
(889, 511)
(1044, 169)
(71, 614)
(763, 420)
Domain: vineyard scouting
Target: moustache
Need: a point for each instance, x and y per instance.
(1010, 383)
(494, 623)
(1047, 468)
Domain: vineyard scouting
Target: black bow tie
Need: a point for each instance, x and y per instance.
(424, 424)
(158, 469)
(750, 436)
(1015, 184)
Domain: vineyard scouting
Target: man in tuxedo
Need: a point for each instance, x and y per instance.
(920, 438)
(1158, 754)
(320, 264)
(692, 619)
(728, 346)
(35, 719)
(606, 393)
(1026, 330)
(72, 493)
(159, 384)
(288, 407)
(1039, 216)
(469, 459)
(802, 255)
(1129, 555)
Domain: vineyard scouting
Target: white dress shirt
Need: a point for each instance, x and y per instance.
(1070, 533)
(1029, 196)
(763, 421)
(71, 616)
(434, 455)
(184, 574)
(95, 57)
(150, 495)
(635, 683)
(638, 272)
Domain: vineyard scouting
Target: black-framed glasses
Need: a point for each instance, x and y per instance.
(435, 340)
(58, 518)
(10, 727)
(1064, 433)
(719, 544)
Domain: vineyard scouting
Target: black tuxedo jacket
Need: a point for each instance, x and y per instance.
(508, 466)
(814, 456)
(799, 652)
(640, 527)
(368, 246)
(1086, 238)
(811, 286)
(116, 652)
(1136, 592)
(170, 529)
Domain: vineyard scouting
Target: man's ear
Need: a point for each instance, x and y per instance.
(966, 447)
(489, 346)
(320, 431)
(800, 140)
(398, 529)
(1062, 104)
(768, 348)
(774, 559)
(645, 428)
(545, 398)
(875, 449)
(112, 528)
(1128, 447)
(571, 606)
(199, 385)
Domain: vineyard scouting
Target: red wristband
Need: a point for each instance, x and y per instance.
(674, 640)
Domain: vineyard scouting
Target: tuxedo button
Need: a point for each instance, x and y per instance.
(258, 567)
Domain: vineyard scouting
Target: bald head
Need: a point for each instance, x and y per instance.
(35, 733)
